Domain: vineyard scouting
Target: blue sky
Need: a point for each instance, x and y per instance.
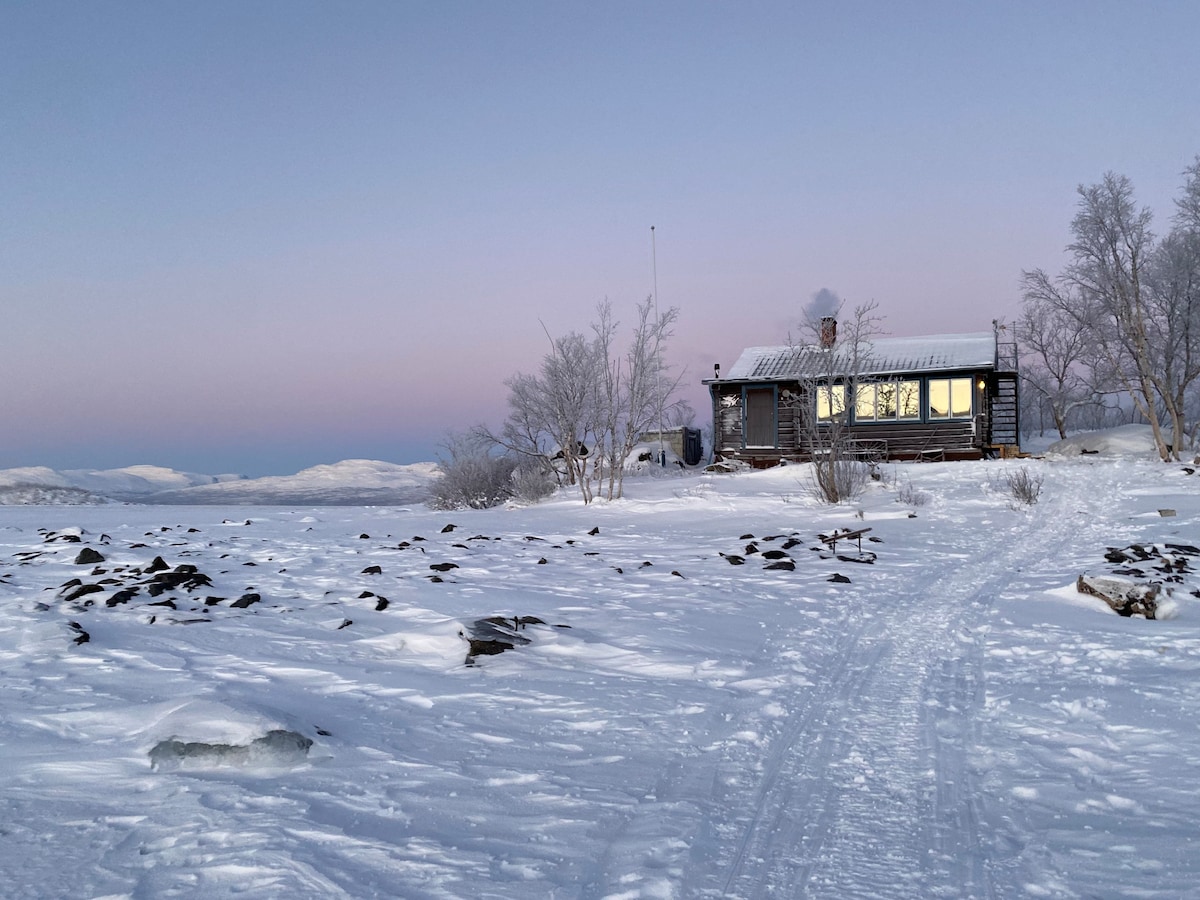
(253, 237)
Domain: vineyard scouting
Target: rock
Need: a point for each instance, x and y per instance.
(381, 604)
(123, 596)
(372, 570)
(88, 557)
(774, 554)
(785, 565)
(1125, 597)
(81, 636)
(245, 601)
(733, 560)
(346, 623)
(448, 528)
(595, 531)
(443, 567)
(838, 578)
(158, 564)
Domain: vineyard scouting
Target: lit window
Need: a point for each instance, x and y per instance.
(831, 402)
(887, 401)
(950, 398)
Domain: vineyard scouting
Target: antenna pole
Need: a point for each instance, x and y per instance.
(662, 451)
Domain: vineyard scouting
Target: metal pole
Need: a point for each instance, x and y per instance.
(662, 452)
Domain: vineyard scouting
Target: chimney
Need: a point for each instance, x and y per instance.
(828, 332)
(716, 371)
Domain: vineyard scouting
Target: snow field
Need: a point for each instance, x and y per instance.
(954, 721)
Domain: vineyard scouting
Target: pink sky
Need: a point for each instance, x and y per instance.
(252, 239)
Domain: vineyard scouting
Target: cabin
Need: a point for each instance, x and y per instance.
(948, 396)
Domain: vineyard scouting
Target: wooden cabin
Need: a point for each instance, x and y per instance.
(949, 396)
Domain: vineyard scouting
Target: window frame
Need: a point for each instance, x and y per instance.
(901, 399)
(951, 415)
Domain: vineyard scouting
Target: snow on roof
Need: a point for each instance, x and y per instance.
(929, 353)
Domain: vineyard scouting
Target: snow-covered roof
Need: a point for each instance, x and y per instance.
(929, 353)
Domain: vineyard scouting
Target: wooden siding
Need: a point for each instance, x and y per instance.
(901, 440)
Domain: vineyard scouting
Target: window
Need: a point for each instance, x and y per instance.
(887, 401)
(831, 402)
(950, 398)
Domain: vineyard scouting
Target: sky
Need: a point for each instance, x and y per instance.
(254, 237)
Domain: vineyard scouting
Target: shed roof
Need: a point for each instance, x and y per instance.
(883, 356)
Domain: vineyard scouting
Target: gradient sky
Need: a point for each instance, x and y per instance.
(256, 236)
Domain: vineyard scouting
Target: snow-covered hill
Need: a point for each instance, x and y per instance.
(353, 482)
(276, 701)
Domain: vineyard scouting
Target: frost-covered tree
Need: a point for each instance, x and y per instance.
(1055, 352)
(586, 407)
(1134, 299)
(471, 475)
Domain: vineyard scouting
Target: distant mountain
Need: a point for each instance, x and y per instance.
(354, 482)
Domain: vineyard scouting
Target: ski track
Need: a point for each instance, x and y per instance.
(869, 789)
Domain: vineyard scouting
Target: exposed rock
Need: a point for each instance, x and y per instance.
(838, 578)
(381, 604)
(88, 557)
(245, 601)
(1127, 598)
(785, 565)
(372, 570)
(448, 528)
(443, 567)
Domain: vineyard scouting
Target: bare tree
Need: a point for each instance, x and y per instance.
(638, 386)
(1102, 290)
(1055, 352)
(585, 410)
(1135, 300)
(835, 363)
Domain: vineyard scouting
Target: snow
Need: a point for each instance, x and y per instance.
(927, 353)
(1127, 440)
(956, 721)
(350, 482)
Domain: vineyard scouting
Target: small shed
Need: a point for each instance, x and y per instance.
(949, 396)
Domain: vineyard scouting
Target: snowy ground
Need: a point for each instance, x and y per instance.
(955, 721)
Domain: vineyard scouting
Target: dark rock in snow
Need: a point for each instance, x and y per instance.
(595, 531)
(81, 636)
(443, 567)
(372, 570)
(88, 557)
(785, 565)
(381, 605)
(245, 601)
(346, 623)
(733, 560)
(448, 528)
(838, 578)
(774, 554)
(123, 596)
(158, 564)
